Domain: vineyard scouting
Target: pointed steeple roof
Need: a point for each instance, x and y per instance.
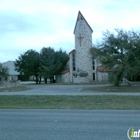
(80, 16)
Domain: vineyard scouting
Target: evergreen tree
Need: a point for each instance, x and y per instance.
(47, 63)
(52, 62)
(28, 64)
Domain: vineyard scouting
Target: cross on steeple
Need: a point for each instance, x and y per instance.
(80, 38)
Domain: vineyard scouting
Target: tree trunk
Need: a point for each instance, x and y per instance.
(39, 79)
(52, 80)
(117, 82)
(36, 79)
(45, 80)
(118, 77)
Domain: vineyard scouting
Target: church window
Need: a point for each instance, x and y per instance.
(73, 58)
(93, 76)
(80, 18)
(93, 64)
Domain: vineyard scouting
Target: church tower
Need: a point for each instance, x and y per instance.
(81, 58)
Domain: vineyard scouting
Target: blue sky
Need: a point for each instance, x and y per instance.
(33, 24)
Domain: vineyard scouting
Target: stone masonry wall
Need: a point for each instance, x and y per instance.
(82, 47)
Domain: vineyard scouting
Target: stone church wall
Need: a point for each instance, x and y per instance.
(63, 78)
(102, 76)
(81, 60)
(82, 47)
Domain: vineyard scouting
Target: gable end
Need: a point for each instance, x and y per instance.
(82, 18)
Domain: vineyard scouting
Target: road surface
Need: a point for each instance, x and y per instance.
(35, 124)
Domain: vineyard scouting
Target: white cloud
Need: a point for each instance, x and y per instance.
(32, 24)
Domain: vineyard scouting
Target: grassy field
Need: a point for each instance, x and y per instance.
(70, 102)
(114, 89)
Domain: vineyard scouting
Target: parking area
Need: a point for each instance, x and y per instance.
(63, 89)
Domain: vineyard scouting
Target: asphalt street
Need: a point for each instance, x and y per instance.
(43, 124)
(54, 89)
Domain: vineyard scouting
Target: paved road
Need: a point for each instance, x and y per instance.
(64, 90)
(66, 124)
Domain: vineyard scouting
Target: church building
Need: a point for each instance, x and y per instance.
(82, 67)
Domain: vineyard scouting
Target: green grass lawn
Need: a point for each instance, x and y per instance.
(70, 102)
(114, 88)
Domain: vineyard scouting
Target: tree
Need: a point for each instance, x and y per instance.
(120, 51)
(52, 62)
(47, 56)
(61, 58)
(28, 64)
(4, 71)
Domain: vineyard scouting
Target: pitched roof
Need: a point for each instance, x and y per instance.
(72, 51)
(80, 14)
(65, 71)
(104, 69)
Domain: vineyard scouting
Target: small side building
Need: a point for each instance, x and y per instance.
(63, 77)
(13, 74)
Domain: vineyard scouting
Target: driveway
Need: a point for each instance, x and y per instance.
(55, 89)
